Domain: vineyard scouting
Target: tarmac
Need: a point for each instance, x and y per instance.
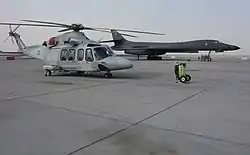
(141, 111)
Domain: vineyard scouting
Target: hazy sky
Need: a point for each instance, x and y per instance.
(181, 20)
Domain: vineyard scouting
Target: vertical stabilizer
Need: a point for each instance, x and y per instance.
(19, 42)
(118, 39)
(117, 36)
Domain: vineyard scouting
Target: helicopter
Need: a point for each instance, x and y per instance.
(73, 51)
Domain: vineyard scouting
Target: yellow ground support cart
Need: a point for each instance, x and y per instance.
(183, 77)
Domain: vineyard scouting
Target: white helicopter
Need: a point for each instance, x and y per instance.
(73, 51)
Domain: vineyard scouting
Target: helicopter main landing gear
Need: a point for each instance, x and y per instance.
(108, 75)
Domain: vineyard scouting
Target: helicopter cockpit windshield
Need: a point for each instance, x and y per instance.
(102, 52)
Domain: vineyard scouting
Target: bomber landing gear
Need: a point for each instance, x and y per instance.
(206, 57)
(154, 57)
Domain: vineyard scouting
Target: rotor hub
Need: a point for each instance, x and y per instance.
(77, 27)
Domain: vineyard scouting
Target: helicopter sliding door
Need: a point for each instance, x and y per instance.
(89, 60)
(68, 59)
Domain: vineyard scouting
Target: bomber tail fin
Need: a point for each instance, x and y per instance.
(118, 38)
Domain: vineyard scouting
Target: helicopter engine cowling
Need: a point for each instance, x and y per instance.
(136, 52)
(74, 42)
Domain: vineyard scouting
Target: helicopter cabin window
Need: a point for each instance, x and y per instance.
(71, 55)
(80, 54)
(64, 54)
(102, 52)
(89, 55)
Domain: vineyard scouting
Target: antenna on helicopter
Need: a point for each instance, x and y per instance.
(11, 33)
(100, 39)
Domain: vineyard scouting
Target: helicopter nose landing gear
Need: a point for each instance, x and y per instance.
(48, 72)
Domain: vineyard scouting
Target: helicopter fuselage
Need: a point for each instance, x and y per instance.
(78, 56)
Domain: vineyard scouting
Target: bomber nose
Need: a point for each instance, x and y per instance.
(233, 47)
(236, 47)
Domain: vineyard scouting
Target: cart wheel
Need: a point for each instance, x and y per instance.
(183, 79)
(188, 77)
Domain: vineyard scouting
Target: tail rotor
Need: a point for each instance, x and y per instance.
(11, 34)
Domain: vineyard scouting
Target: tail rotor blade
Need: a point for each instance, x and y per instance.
(16, 28)
(6, 39)
(10, 28)
(12, 40)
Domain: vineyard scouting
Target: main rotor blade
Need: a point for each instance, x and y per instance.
(63, 30)
(110, 32)
(47, 22)
(134, 31)
(30, 24)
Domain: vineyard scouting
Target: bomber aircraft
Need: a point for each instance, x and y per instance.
(154, 49)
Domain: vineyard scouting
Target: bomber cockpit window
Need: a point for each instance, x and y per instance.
(64, 54)
(217, 41)
(72, 53)
(80, 54)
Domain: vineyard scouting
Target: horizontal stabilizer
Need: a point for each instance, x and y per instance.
(11, 52)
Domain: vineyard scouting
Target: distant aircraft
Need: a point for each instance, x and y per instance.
(153, 49)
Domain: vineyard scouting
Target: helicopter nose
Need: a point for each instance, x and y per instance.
(117, 63)
(124, 63)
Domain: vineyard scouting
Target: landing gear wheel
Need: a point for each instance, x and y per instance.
(183, 79)
(188, 77)
(48, 73)
(209, 59)
(108, 75)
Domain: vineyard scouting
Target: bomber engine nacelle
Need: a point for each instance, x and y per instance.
(219, 51)
(136, 52)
